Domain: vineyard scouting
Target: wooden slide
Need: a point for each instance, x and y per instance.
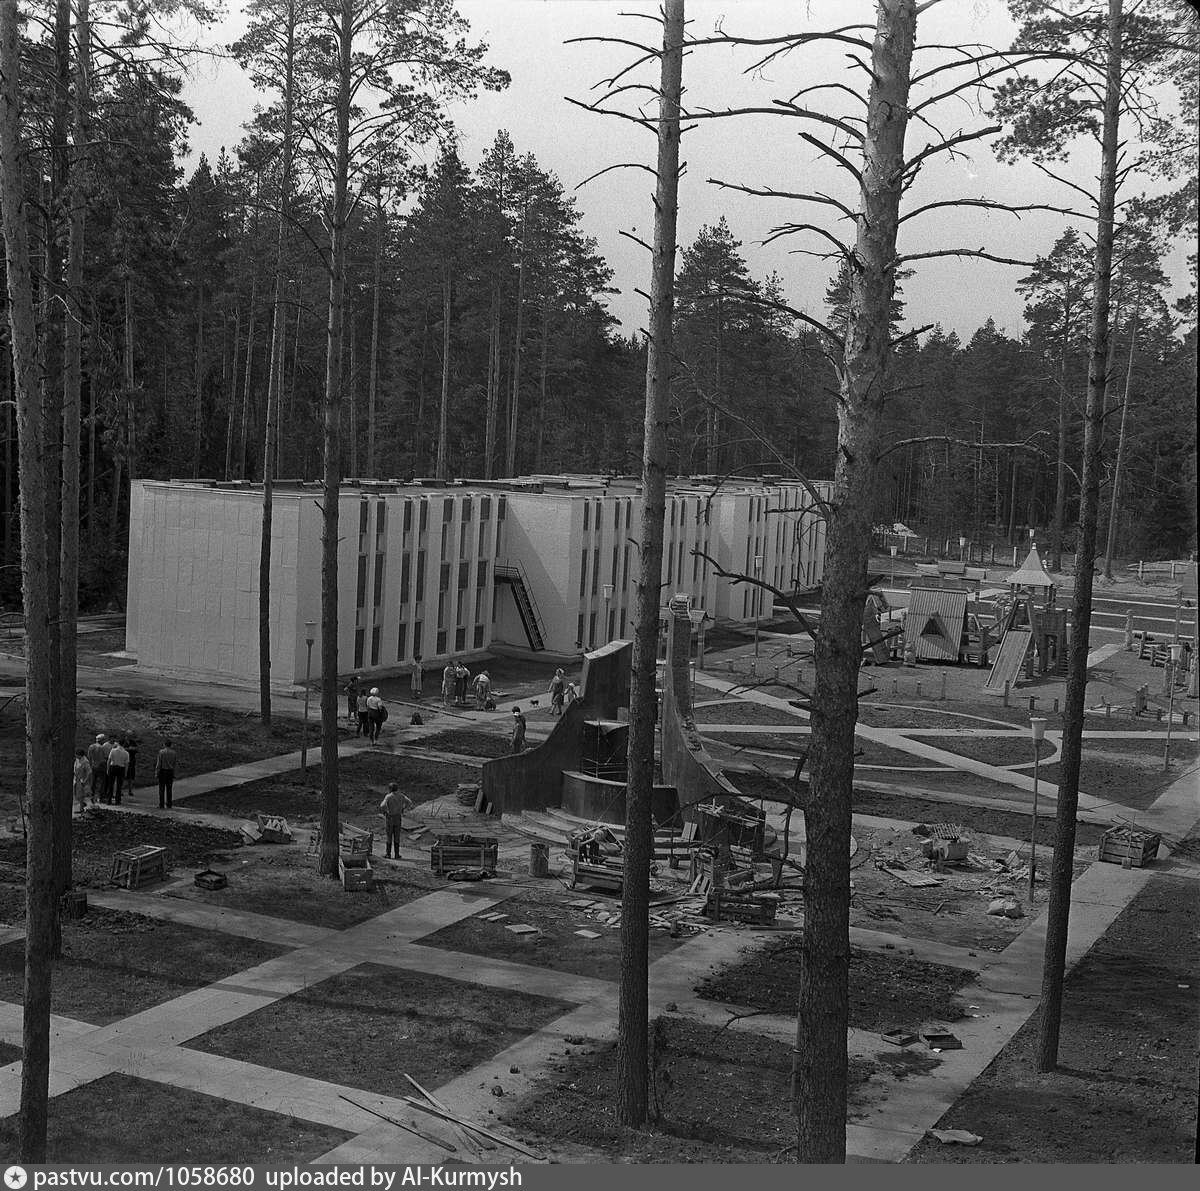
(1013, 648)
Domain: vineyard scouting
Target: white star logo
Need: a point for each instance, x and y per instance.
(15, 1177)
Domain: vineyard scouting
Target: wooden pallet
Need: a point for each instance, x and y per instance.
(133, 868)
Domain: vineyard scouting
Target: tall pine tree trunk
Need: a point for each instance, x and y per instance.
(633, 996)
(373, 382)
(275, 378)
(40, 904)
(231, 422)
(198, 386)
(339, 213)
(1059, 909)
(442, 467)
(244, 434)
(825, 949)
(1110, 543)
(493, 386)
(72, 388)
(514, 400)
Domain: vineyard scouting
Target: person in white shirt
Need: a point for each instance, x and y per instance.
(118, 763)
(393, 807)
(375, 713)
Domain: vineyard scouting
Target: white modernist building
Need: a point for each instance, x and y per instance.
(437, 570)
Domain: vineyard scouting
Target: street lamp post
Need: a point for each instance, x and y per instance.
(893, 547)
(310, 633)
(758, 565)
(607, 589)
(1175, 657)
(1037, 729)
(962, 549)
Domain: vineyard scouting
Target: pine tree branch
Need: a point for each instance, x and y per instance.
(949, 146)
(1025, 445)
(783, 597)
(621, 165)
(791, 229)
(979, 252)
(769, 192)
(642, 121)
(830, 151)
(781, 108)
(991, 205)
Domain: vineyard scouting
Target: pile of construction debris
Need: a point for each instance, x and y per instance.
(947, 856)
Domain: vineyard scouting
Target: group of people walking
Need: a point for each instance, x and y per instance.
(367, 712)
(104, 772)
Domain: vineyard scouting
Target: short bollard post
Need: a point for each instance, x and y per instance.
(1007, 688)
(943, 695)
(1033, 702)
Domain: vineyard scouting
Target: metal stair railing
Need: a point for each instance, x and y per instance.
(513, 573)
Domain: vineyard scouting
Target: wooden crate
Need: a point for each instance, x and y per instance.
(133, 868)
(356, 878)
(450, 852)
(352, 841)
(1119, 844)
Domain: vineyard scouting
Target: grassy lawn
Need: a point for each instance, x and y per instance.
(120, 1118)
(116, 964)
(381, 1023)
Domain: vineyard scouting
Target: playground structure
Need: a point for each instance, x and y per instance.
(1035, 635)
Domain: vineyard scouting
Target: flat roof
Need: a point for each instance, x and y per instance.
(570, 485)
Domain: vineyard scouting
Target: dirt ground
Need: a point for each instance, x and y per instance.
(744, 712)
(1128, 772)
(121, 1119)
(716, 1096)
(467, 742)
(115, 964)
(370, 1026)
(362, 782)
(911, 809)
(1125, 1090)
(886, 991)
(101, 832)
(555, 945)
(281, 881)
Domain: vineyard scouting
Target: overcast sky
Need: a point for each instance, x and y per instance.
(527, 38)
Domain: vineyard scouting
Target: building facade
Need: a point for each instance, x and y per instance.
(440, 570)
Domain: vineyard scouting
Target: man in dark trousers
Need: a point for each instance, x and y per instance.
(164, 771)
(518, 734)
(118, 764)
(393, 806)
(97, 756)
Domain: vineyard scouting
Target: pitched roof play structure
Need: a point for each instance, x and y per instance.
(935, 626)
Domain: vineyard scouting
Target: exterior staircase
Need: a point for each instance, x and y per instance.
(513, 574)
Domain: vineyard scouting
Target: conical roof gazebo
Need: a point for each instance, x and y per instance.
(1031, 573)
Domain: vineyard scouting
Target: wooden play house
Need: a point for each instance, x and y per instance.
(935, 626)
